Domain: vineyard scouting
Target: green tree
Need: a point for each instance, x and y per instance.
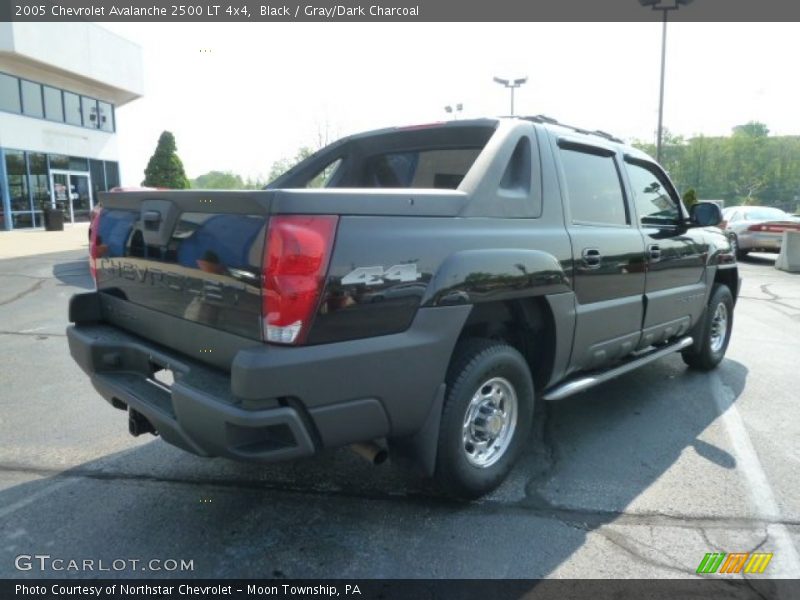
(749, 166)
(690, 198)
(279, 167)
(752, 129)
(218, 180)
(165, 169)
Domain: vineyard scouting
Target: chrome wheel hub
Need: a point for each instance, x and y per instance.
(719, 327)
(490, 422)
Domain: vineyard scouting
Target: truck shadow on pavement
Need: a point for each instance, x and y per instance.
(591, 461)
(74, 273)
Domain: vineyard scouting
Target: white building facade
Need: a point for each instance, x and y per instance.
(60, 85)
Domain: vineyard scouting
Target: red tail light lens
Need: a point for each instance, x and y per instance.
(296, 257)
(94, 245)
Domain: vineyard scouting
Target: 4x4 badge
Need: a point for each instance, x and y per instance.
(377, 275)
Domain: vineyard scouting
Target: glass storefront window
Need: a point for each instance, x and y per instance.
(32, 99)
(112, 175)
(53, 108)
(9, 93)
(59, 161)
(89, 111)
(72, 108)
(98, 177)
(41, 101)
(106, 116)
(22, 220)
(17, 180)
(78, 164)
(29, 185)
(37, 165)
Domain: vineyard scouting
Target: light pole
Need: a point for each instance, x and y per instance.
(511, 84)
(454, 109)
(664, 6)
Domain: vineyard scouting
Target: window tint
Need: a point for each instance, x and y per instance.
(9, 93)
(72, 108)
(593, 188)
(654, 205)
(32, 99)
(420, 169)
(52, 104)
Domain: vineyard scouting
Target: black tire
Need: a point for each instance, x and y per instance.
(740, 254)
(709, 347)
(476, 362)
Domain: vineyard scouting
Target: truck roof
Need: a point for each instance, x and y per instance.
(549, 123)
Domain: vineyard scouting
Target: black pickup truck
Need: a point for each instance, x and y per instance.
(415, 289)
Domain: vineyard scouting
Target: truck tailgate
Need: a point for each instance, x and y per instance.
(189, 254)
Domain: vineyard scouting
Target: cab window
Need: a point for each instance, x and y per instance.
(655, 206)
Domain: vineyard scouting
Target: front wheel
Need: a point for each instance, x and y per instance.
(714, 331)
(486, 417)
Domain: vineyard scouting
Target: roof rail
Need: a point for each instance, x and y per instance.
(552, 121)
(608, 136)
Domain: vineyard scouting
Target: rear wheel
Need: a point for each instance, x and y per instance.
(714, 331)
(740, 254)
(486, 417)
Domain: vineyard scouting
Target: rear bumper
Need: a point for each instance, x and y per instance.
(274, 403)
(760, 241)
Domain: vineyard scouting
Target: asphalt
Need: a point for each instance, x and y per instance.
(637, 478)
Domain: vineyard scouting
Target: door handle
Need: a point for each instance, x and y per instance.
(654, 252)
(591, 258)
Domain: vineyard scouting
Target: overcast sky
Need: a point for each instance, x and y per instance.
(259, 91)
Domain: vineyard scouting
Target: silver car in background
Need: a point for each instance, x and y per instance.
(756, 228)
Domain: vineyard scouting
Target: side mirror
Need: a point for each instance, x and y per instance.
(705, 214)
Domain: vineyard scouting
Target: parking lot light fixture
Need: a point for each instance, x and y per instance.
(454, 109)
(511, 84)
(664, 6)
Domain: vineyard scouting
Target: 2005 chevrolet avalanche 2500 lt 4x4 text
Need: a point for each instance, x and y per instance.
(419, 287)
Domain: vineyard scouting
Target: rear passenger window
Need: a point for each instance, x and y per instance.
(654, 204)
(420, 168)
(323, 178)
(594, 191)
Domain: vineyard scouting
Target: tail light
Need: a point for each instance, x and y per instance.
(723, 224)
(94, 245)
(774, 227)
(296, 256)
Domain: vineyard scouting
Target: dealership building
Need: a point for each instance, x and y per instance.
(60, 86)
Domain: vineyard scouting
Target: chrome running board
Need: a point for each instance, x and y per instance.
(584, 382)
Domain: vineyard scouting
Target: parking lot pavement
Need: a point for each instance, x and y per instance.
(637, 478)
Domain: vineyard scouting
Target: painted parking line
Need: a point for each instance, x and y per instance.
(786, 563)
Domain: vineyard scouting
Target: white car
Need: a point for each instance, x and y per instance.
(757, 228)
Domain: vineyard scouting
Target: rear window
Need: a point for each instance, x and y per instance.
(420, 169)
(766, 214)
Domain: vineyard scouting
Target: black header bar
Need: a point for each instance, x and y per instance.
(246, 11)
